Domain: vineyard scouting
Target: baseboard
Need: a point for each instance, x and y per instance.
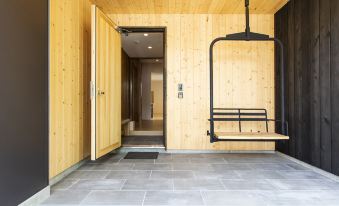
(68, 171)
(147, 149)
(38, 198)
(145, 133)
(311, 167)
(140, 149)
(183, 151)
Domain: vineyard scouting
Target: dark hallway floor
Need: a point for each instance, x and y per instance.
(143, 141)
(149, 125)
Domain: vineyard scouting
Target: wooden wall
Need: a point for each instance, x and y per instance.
(70, 29)
(309, 29)
(244, 74)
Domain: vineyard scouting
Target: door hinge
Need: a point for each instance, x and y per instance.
(92, 90)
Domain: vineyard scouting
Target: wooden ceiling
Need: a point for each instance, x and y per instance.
(188, 6)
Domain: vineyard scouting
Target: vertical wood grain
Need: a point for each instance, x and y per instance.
(69, 83)
(241, 80)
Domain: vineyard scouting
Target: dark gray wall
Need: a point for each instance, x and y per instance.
(23, 99)
(310, 32)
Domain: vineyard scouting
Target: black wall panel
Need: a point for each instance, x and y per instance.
(309, 30)
(23, 99)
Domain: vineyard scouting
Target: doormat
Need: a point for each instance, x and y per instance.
(142, 155)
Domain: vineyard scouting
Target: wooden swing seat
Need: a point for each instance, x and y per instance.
(250, 136)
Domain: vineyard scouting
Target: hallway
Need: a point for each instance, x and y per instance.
(195, 179)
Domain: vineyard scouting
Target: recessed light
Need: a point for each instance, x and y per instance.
(149, 47)
(157, 60)
(145, 34)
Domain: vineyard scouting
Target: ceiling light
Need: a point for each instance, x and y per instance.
(145, 34)
(157, 60)
(149, 47)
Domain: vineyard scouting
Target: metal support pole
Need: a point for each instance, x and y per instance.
(247, 12)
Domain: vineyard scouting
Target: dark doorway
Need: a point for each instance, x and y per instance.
(143, 87)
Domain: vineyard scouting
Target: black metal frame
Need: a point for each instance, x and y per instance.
(246, 36)
(236, 114)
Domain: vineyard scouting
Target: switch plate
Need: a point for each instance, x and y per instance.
(180, 87)
(180, 95)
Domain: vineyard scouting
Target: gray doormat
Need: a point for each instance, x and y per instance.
(142, 155)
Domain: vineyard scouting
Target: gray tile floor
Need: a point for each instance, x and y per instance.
(195, 179)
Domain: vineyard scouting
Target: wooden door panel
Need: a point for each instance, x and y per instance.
(107, 57)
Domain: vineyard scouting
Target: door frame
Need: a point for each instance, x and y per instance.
(153, 29)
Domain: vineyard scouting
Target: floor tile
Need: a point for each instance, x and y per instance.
(301, 175)
(100, 166)
(88, 175)
(114, 198)
(194, 179)
(231, 166)
(305, 184)
(270, 166)
(165, 156)
(297, 166)
(109, 158)
(197, 184)
(208, 160)
(66, 197)
(186, 156)
(148, 184)
(214, 155)
(125, 166)
(173, 198)
(172, 175)
(64, 184)
(258, 184)
(232, 198)
(128, 175)
(105, 184)
(257, 174)
(227, 174)
(152, 167)
(177, 160)
(298, 197)
(201, 167)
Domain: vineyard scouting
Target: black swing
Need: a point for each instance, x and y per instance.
(246, 114)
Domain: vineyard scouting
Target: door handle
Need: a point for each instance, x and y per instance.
(100, 92)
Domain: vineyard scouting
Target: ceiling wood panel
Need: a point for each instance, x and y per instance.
(188, 6)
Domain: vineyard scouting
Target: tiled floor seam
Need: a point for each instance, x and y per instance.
(202, 197)
(143, 201)
(80, 203)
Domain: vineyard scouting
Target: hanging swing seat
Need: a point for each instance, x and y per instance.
(247, 114)
(249, 136)
(244, 114)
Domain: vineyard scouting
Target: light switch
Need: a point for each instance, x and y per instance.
(180, 87)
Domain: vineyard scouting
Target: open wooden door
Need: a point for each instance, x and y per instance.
(105, 85)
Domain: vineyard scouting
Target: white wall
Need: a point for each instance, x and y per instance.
(147, 69)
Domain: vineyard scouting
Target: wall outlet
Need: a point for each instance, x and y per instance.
(180, 95)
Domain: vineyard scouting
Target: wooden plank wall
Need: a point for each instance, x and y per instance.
(309, 30)
(70, 30)
(244, 74)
